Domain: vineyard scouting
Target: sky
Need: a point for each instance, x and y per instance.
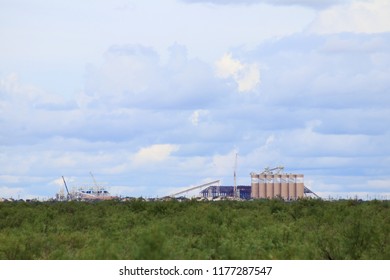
(153, 97)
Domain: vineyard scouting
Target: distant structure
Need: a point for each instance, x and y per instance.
(90, 193)
(242, 192)
(213, 183)
(269, 184)
(274, 183)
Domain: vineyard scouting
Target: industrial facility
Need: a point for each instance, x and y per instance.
(89, 193)
(269, 184)
(273, 183)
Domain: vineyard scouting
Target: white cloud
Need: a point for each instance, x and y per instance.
(358, 16)
(247, 76)
(154, 154)
(227, 66)
(196, 115)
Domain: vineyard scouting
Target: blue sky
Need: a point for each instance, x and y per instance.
(156, 96)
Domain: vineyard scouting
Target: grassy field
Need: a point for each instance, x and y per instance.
(306, 229)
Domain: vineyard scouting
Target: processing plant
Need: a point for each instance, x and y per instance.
(269, 184)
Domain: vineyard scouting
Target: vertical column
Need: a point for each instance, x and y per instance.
(300, 186)
(262, 189)
(277, 186)
(254, 185)
(284, 186)
(269, 186)
(292, 187)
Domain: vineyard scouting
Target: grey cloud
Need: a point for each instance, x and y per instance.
(321, 109)
(300, 72)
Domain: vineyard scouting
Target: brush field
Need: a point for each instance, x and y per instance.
(264, 229)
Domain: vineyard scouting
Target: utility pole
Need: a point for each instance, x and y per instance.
(235, 177)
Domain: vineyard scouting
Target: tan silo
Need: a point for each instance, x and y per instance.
(284, 186)
(255, 185)
(270, 185)
(291, 187)
(300, 186)
(269, 190)
(277, 186)
(262, 186)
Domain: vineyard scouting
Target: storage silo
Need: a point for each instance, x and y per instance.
(269, 190)
(277, 186)
(254, 185)
(291, 187)
(262, 186)
(300, 188)
(284, 186)
(272, 182)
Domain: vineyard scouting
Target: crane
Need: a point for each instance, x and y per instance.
(93, 178)
(63, 179)
(99, 190)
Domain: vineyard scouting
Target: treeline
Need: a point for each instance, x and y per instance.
(264, 229)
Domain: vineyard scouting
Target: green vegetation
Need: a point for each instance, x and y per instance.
(305, 229)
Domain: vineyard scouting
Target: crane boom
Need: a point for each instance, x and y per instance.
(63, 179)
(93, 178)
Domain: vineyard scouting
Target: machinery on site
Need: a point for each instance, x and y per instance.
(84, 193)
(270, 183)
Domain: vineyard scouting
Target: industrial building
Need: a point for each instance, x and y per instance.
(268, 184)
(243, 192)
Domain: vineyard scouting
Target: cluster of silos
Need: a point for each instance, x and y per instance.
(285, 186)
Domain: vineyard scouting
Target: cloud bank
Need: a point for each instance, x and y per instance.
(147, 121)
